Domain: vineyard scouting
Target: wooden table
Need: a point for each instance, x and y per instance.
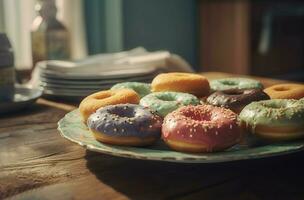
(37, 163)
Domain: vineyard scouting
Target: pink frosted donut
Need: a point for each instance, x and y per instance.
(202, 128)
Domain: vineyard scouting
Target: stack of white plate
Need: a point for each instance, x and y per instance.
(56, 84)
(75, 80)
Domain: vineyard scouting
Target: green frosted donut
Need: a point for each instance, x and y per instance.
(277, 114)
(165, 102)
(140, 88)
(234, 83)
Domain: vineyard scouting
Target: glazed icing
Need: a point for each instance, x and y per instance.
(234, 83)
(203, 124)
(275, 112)
(286, 91)
(166, 102)
(104, 98)
(140, 88)
(191, 83)
(236, 98)
(125, 120)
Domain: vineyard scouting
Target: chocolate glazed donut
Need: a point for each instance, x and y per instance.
(236, 99)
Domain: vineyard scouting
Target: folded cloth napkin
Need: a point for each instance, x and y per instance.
(107, 64)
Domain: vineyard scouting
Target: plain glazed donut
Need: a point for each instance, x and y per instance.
(194, 84)
(235, 99)
(202, 128)
(286, 91)
(276, 119)
(125, 124)
(104, 98)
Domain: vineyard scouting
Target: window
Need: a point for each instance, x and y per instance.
(17, 17)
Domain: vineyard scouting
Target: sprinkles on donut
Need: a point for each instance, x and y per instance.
(234, 83)
(201, 128)
(114, 118)
(165, 102)
(276, 119)
(142, 89)
(125, 124)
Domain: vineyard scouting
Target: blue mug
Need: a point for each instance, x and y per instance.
(7, 71)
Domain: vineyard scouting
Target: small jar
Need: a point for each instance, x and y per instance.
(7, 70)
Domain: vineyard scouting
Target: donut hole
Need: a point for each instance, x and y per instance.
(166, 98)
(103, 96)
(233, 92)
(273, 106)
(281, 89)
(228, 82)
(123, 112)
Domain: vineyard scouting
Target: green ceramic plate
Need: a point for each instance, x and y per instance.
(72, 128)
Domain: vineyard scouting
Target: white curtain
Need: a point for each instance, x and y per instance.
(18, 16)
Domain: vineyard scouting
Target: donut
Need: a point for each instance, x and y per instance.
(234, 83)
(104, 98)
(236, 99)
(165, 102)
(125, 124)
(275, 119)
(201, 128)
(194, 84)
(286, 91)
(140, 88)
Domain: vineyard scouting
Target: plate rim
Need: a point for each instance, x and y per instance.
(71, 76)
(36, 94)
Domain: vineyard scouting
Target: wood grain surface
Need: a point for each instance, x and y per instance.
(37, 163)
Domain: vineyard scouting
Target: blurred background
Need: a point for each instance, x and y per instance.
(260, 37)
